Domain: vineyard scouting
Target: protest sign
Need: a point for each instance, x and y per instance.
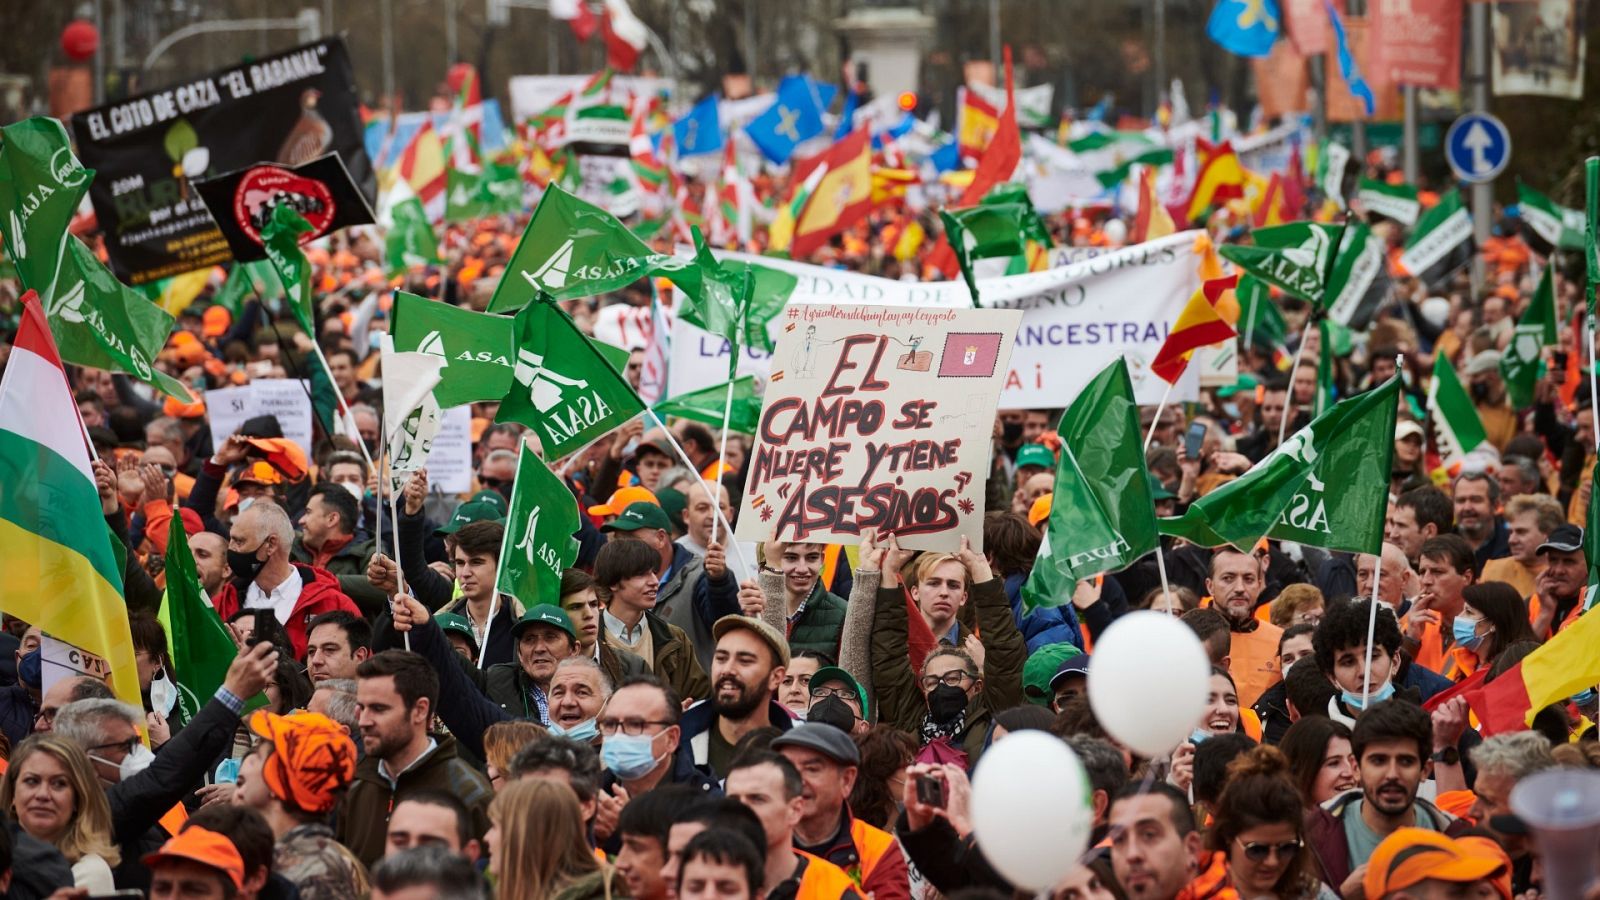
(1418, 42)
(321, 191)
(450, 461)
(148, 150)
(283, 398)
(878, 417)
(59, 659)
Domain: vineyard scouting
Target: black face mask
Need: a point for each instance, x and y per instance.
(1479, 391)
(1010, 432)
(244, 563)
(945, 702)
(832, 711)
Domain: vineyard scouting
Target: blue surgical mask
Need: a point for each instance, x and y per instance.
(1198, 735)
(1353, 700)
(583, 732)
(628, 756)
(1464, 630)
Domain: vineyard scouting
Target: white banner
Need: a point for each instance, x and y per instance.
(1076, 319)
(283, 398)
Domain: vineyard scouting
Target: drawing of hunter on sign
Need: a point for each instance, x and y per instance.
(878, 417)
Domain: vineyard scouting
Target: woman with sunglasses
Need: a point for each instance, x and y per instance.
(1257, 848)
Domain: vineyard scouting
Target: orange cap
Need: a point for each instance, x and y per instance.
(312, 758)
(207, 848)
(178, 410)
(1412, 855)
(260, 472)
(1040, 509)
(186, 349)
(215, 322)
(619, 501)
(1489, 847)
(284, 455)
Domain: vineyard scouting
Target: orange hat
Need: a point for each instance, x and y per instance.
(1489, 847)
(1040, 509)
(207, 848)
(187, 350)
(619, 501)
(259, 472)
(178, 410)
(312, 758)
(1412, 855)
(216, 321)
(284, 455)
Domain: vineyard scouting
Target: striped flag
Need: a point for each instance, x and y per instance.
(1221, 178)
(1395, 201)
(1456, 426)
(62, 573)
(1441, 243)
(1152, 220)
(1199, 325)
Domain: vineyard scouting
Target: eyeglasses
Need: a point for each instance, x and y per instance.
(820, 693)
(492, 483)
(1258, 853)
(630, 727)
(954, 678)
(125, 746)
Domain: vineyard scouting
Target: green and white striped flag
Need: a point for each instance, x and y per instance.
(1442, 242)
(1394, 201)
(1547, 225)
(1456, 426)
(1535, 331)
(1111, 155)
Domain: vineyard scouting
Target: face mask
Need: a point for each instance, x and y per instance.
(583, 732)
(1231, 410)
(628, 756)
(1464, 631)
(246, 503)
(1199, 735)
(137, 760)
(835, 712)
(1479, 390)
(30, 670)
(163, 695)
(1353, 701)
(946, 702)
(244, 563)
(357, 491)
(1011, 432)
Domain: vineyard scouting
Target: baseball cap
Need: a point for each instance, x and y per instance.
(312, 758)
(492, 498)
(761, 630)
(622, 499)
(673, 503)
(637, 515)
(1408, 428)
(1036, 455)
(177, 409)
(450, 623)
(284, 455)
(1245, 384)
(645, 447)
(1158, 491)
(1483, 361)
(469, 512)
(824, 739)
(1040, 667)
(205, 847)
(1566, 538)
(215, 321)
(544, 614)
(1413, 855)
(834, 673)
(259, 472)
(1077, 665)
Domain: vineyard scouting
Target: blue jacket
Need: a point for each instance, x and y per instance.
(1049, 625)
(16, 713)
(1425, 680)
(699, 719)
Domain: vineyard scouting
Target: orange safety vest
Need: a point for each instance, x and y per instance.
(822, 880)
(871, 844)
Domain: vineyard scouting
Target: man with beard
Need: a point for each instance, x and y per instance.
(1558, 602)
(746, 668)
(1393, 743)
(1477, 497)
(1235, 585)
(1155, 848)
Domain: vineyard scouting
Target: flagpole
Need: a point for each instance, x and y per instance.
(1150, 435)
(716, 507)
(1288, 403)
(505, 538)
(1593, 393)
(394, 527)
(727, 413)
(1372, 627)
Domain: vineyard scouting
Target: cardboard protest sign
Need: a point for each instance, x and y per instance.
(321, 191)
(284, 398)
(150, 149)
(879, 418)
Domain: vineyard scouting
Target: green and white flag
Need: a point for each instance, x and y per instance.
(1103, 516)
(1442, 241)
(1111, 155)
(410, 412)
(1395, 201)
(201, 647)
(986, 231)
(562, 387)
(576, 249)
(1547, 225)
(255, 278)
(538, 544)
(706, 405)
(1535, 330)
(1457, 430)
(100, 322)
(1295, 258)
(723, 306)
(1261, 323)
(281, 241)
(411, 241)
(1591, 233)
(477, 348)
(1326, 486)
(1330, 177)
(497, 190)
(1361, 283)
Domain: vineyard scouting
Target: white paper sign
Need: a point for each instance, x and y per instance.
(450, 462)
(284, 398)
(59, 660)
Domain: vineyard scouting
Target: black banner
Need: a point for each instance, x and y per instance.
(321, 191)
(149, 150)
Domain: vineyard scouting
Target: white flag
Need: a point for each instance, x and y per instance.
(410, 413)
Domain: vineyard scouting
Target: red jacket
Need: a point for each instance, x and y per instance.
(319, 593)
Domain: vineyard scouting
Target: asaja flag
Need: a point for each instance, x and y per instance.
(1536, 330)
(1295, 257)
(562, 387)
(410, 412)
(1547, 225)
(538, 544)
(1394, 201)
(1261, 323)
(1457, 430)
(61, 570)
(1199, 325)
(201, 647)
(281, 240)
(494, 191)
(101, 322)
(706, 405)
(985, 231)
(411, 242)
(724, 302)
(1102, 517)
(1442, 241)
(477, 348)
(1326, 486)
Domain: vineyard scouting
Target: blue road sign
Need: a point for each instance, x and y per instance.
(1477, 146)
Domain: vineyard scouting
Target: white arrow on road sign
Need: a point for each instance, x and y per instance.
(1478, 147)
(1479, 141)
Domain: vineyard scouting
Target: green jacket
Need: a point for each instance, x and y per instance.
(820, 625)
(363, 818)
(350, 565)
(675, 661)
(900, 699)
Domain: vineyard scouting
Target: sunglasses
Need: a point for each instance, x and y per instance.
(1258, 853)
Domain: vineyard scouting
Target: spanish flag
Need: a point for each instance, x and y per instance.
(61, 571)
(1152, 219)
(1564, 666)
(1199, 325)
(976, 122)
(1004, 152)
(1269, 211)
(842, 197)
(1221, 179)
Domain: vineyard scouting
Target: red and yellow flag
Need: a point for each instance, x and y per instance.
(841, 198)
(1199, 325)
(1221, 179)
(1270, 209)
(1564, 666)
(1152, 219)
(976, 121)
(1000, 158)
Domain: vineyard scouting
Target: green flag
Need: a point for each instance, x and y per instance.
(281, 240)
(100, 322)
(1456, 427)
(245, 279)
(576, 249)
(1102, 517)
(1293, 257)
(1535, 331)
(766, 290)
(497, 190)
(538, 544)
(1326, 486)
(985, 231)
(1442, 243)
(1261, 323)
(477, 347)
(562, 386)
(200, 645)
(1591, 224)
(41, 184)
(1395, 201)
(1547, 225)
(706, 405)
(411, 241)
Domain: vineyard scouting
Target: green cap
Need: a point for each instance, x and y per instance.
(469, 512)
(450, 623)
(491, 497)
(673, 503)
(1039, 669)
(1036, 455)
(1158, 491)
(544, 614)
(637, 515)
(834, 673)
(1246, 383)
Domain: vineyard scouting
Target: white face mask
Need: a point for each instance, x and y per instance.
(137, 760)
(245, 503)
(163, 695)
(355, 489)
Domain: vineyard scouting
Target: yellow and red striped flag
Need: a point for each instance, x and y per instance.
(1152, 219)
(1199, 325)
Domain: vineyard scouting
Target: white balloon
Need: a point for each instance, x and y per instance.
(1031, 808)
(1149, 682)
